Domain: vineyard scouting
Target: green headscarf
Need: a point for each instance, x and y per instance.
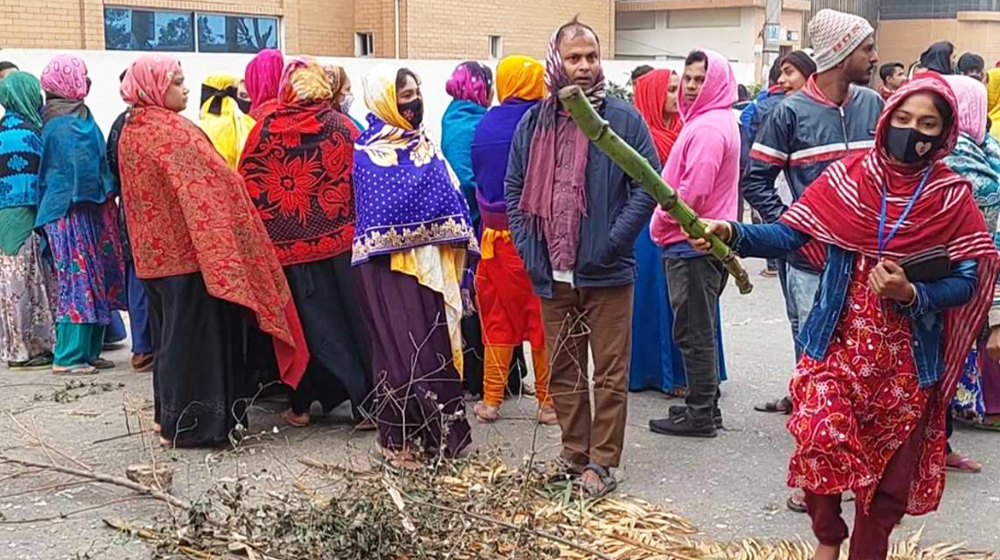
(21, 93)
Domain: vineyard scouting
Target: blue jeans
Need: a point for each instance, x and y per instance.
(799, 288)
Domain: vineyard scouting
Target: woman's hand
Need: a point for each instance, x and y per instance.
(721, 229)
(993, 344)
(888, 280)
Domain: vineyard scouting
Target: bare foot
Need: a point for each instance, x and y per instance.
(960, 463)
(156, 427)
(296, 420)
(407, 459)
(827, 552)
(592, 482)
(166, 443)
(547, 416)
(485, 413)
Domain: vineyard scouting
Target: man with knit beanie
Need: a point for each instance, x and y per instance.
(826, 120)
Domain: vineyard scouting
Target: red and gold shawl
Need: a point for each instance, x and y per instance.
(187, 212)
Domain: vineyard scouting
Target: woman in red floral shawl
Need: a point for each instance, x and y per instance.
(205, 261)
(297, 166)
(887, 338)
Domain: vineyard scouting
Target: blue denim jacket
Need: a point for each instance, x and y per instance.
(775, 240)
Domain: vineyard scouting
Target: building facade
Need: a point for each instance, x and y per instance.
(371, 28)
(908, 27)
(669, 29)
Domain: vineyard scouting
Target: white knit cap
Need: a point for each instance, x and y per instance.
(835, 35)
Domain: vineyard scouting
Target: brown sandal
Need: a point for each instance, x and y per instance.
(295, 420)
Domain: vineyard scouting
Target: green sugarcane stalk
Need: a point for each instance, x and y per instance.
(599, 132)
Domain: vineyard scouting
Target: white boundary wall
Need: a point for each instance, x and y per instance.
(105, 66)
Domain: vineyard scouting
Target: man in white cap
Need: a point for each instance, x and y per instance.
(831, 117)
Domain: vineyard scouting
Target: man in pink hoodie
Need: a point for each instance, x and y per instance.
(704, 169)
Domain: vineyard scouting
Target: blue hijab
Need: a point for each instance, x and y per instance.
(74, 166)
(20, 153)
(458, 127)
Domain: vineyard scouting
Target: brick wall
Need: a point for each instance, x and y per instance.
(461, 29)
(428, 28)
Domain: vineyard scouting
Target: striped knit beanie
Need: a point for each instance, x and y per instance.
(835, 35)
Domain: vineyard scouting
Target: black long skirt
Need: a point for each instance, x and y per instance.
(199, 379)
(418, 390)
(339, 369)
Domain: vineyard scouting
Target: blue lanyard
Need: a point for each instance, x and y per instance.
(906, 212)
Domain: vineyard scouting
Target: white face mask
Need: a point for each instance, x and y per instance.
(346, 105)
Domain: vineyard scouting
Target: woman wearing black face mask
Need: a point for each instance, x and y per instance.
(412, 238)
(908, 275)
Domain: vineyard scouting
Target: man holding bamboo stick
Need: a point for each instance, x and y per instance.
(575, 216)
(704, 169)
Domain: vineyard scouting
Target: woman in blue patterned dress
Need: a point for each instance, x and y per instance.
(977, 158)
(78, 212)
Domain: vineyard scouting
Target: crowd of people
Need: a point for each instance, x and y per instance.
(279, 242)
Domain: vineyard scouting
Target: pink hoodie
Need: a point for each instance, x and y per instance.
(704, 165)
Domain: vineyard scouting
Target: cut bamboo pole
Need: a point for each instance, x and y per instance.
(597, 130)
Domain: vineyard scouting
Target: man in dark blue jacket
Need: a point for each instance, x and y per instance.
(575, 216)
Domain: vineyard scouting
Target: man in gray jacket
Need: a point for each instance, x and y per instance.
(575, 217)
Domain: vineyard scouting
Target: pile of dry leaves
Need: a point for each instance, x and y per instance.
(476, 508)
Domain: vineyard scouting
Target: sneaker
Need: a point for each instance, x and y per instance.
(684, 426)
(680, 410)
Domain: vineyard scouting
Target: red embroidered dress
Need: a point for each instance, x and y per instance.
(297, 166)
(857, 406)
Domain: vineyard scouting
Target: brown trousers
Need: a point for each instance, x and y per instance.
(601, 319)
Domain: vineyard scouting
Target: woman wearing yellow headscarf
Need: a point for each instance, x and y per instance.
(993, 101)
(221, 117)
(411, 238)
(509, 310)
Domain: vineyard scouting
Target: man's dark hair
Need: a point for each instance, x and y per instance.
(696, 56)
(742, 93)
(775, 72)
(575, 28)
(401, 76)
(640, 71)
(971, 63)
(888, 69)
(7, 65)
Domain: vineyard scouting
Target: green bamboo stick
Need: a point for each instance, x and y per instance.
(636, 166)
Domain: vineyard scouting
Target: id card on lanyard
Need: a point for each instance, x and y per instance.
(883, 241)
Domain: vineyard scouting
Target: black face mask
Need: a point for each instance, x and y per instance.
(909, 145)
(244, 105)
(413, 112)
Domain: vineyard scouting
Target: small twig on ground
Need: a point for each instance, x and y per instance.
(105, 478)
(69, 513)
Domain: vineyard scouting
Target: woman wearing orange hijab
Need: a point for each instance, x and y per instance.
(656, 360)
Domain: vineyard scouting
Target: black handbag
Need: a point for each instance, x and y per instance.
(927, 266)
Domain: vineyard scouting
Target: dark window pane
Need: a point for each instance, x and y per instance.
(211, 33)
(148, 30)
(251, 34)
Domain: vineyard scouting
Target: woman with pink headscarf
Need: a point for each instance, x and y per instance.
(205, 260)
(262, 77)
(78, 213)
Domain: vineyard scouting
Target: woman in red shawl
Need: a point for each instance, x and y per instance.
(886, 340)
(297, 166)
(205, 260)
